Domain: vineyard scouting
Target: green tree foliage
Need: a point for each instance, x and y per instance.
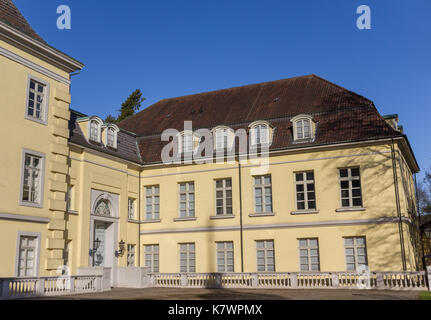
(128, 107)
(424, 194)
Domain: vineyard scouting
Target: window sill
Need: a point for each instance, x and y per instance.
(38, 120)
(30, 204)
(185, 219)
(350, 209)
(151, 221)
(224, 216)
(264, 214)
(72, 212)
(132, 221)
(313, 211)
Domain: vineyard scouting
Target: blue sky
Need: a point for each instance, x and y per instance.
(174, 48)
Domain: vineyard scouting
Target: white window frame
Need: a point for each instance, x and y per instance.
(308, 247)
(113, 128)
(262, 186)
(355, 248)
(305, 182)
(45, 103)
(36, 235)
(224, 199)
(226, 134)
(266, 256)
(256, 133)
(131, 208)
(98, 129)
(187, 201)
(301, 119)
(151, 252)
(70, 197)
(153, 195)
(188, 252)
(350, 188)
(131, 249)
(40, 155)
(225, 260)
(193, 142)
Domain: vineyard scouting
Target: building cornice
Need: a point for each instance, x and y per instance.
(39, 49)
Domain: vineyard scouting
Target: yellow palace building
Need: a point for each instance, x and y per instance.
(331, 187)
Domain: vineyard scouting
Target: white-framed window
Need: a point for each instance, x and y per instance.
(28, 246)
(187, 257)
(223, 193)
(112, 136)
(187, 199)
(131, 208)
(152, 202)
(151, 252)
(302, 127)
(356, 252)
(131, 255)
(225, 256)
(350, 185)
(309, 254)
(32, 178)
(37, 100)
(69, 198)
(305, 194)
(260, 134)
(95, 127)
(262, 194)
(186, 142)
(222, 137)
(265, 253)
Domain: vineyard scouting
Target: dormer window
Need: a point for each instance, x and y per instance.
(111, 136)
(303, 127)
(222, 137)
(260, 133)
(94, 129)
(187, 142)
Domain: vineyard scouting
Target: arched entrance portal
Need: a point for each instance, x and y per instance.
(104, 232)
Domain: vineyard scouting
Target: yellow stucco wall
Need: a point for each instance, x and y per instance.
(87, 170)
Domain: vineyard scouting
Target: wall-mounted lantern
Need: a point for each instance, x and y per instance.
(96, 245)
(121, 249)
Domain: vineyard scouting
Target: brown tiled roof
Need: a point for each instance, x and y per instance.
(10, 15)
(127, 148)
(341, 115)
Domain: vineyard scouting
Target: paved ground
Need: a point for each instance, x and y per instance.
(243, 294)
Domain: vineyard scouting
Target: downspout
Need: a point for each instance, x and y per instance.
(397, 200)
(139, 219)
(240, 215)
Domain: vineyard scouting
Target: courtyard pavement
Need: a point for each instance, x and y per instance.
(240, 294)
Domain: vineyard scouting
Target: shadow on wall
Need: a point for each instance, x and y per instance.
(377, 181)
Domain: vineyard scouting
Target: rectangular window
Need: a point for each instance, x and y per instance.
(263, 194)
(350, 184)
(152, 202)
(222, 136)
(309, 254)
(265, 255)
(130, 255)
(36, 103)
(187, 199)
(32, 179)
(356, 252)
(131, 208)
(187, 257)
(27, 256)
(224, 256)
(152, 257)
(69, 198)
(223, 196)
(305, 195)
